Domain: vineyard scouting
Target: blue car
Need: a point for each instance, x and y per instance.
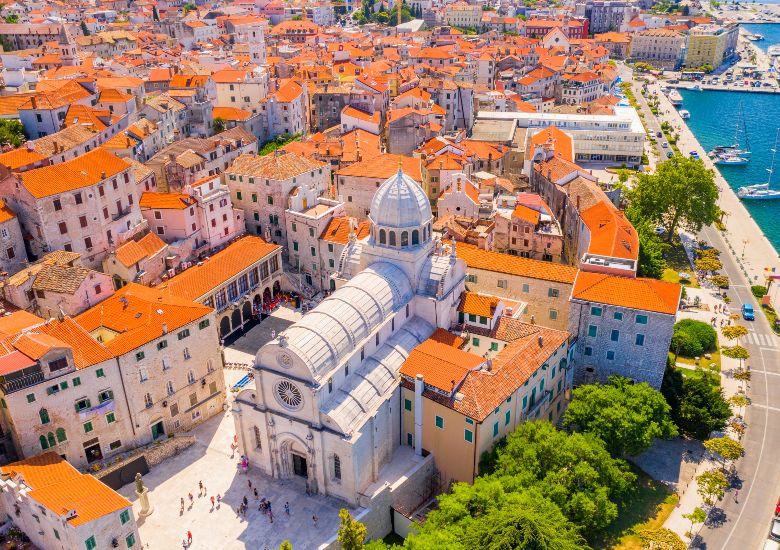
(747, 312)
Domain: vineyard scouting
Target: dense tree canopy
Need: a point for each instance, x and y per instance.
(692, 338)
(11, 132)
(697, 403)
(625, 415)
(352, 534)
(681, 194)
(651, 248)
(486, 516)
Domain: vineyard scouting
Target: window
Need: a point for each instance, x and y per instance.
(641, 319)
(313, 251)
(57, 205)
(526, 288)
(169, 388)
(507, 417)
(87, 427)
(143, 375)
(212, 388)
(592, 331)
(148, 401)
(614, 335)
(114, 445)
(105, 395)
(618, 316)
(162, 344)
(640, 340)
(110, 418)
(553, 293)
(140, 355)
(295, 245)
(44, 414)
(439, 422)
(525, 402)
(82, 404)
(191, 377)
(130, 540)
(595, 311)
(502, 283)
(553, 314)
(336, 467)
(100, 374)
(58, 364)
(203, 324)
(56, 534)
(495, 429)
(183, 334)
(493, 346)
(610, 355)
(270, 200)
(30, 397)
(483, 320)
(472, 318)
(90, 543)
(238, 195)
(475, 342)
(588, 351)
(83, 221)
(64, 385)
(88, 243)
(193, 399)
(124, 517)
(468, 435)
(408, 404)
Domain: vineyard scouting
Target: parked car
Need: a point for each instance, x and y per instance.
(665, 145)
(747, 312)
(659, 134)
(669, 154)
(774, 532)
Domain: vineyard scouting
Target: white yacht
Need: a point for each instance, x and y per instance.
(685, 114)
(762, 191)
(675, 98)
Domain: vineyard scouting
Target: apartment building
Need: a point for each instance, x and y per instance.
(263, 188)
(238, 282)
(13, 256)
(241, 89)
(711, 44)
(662, 48)
(457, 404)
(167, 352)
(84, 205)
(60, 508)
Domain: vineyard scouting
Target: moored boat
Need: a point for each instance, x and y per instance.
(675, 98)
(762, 191)
(685, 114)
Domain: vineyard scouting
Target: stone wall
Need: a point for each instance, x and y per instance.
(155, 453)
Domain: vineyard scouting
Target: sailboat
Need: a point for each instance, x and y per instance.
(762, 191)
(734, 150)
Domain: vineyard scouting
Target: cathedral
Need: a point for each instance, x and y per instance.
(326, 408)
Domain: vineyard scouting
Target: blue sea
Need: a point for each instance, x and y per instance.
(713, 121)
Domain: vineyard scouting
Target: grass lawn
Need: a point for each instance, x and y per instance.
(677, 262)
(648, 506)
(704, 363)
(700, 373)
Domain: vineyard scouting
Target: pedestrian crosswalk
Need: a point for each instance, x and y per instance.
(762, 340)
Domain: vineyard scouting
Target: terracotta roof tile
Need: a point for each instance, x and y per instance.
(132, 252)
(442, 366)
(337, 230)
(611, 234)
(515, 265)
(639, 293)
(164, 201)
(478, 304)
(383, 166)
(282, 165)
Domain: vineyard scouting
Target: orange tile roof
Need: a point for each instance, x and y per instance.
(88, 169)
(477, 258)
(230, 113)
(337, 230)
(6, 213)
(560, 140)
(611, 234)
(383, 166)
(478, 304)
(164, 201)
(446, 337)
(59, 487)
(18, 320)
(442, 366)
(18, 158)
(132, 252)
(279, 165)
(222, 266)
(137, 314)
(361, 115)
(526, 214)
(639, 293)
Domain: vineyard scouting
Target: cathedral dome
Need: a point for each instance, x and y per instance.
(400, 203)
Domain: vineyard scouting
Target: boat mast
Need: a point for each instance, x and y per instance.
(774, 155)
(744, 126)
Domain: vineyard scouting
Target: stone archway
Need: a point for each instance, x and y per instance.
(277, 288)
(296, 458)
(224, 326)
(246, 311)
(235, 319)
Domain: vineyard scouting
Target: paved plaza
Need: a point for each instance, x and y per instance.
(209, 460)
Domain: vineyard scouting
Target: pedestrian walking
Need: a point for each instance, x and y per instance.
(736, 496)
(212, 501)
(314, 519)
(191, 498)
(182, 505)
(200, 488)
(270, 515)
(268, 502)
(287, 508)
(249, 482)
(256, 495)
(246, 502)
(189, 537)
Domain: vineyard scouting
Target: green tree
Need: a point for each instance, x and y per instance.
(625, 415)
(724, 449)
(697, 515)
(736, 352)
(285, 545)
(700, 338)
(219, 125)
(11, 132)
(712, 486)
(681, 194)
(352, 534)
(708, 264)
(651, 251)
(734, 332)
(698, 406)
(187, 8)
(660, 539)
(486, 516)
(13, 18)
(759, 291)
(575, 471)
(84, 29)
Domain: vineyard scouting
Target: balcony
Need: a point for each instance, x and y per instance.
(21, 382)
(121, 214)
(534, 409)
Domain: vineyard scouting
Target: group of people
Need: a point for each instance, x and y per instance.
(721, 308)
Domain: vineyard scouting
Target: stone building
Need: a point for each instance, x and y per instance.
(13, 256)
(327, 405)
(662, 48)
(623, 326)
(60, 508)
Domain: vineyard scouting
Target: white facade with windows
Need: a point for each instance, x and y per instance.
(327, 406)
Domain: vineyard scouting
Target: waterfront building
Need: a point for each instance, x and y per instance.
(711, 44)
(661, 48)
(609, 15)
(59, 508)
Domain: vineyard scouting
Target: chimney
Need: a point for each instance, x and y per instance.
(418, 414)
(541, 341)
(165, 328)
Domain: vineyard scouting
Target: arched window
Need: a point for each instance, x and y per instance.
(258, 439)
(336, 467)
(61, 437)
(44, 445)
(415, 237)
(44, 414)
(191, 377)
(382, 236)
(169, 387)
(50, 439)
(562, 364)
(392, 238)
(405, 238)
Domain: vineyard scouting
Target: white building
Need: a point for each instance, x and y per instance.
(327, 404)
